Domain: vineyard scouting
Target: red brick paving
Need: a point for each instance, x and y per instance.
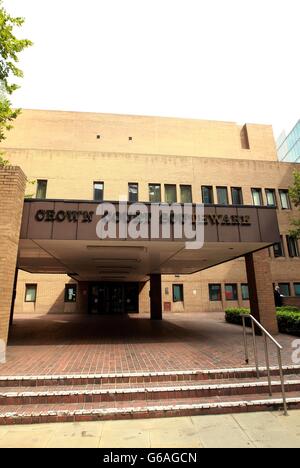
(65, 344)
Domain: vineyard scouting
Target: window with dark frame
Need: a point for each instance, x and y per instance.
(186, 194)
(41, 189)
(284, 199)
(178, 293)
(237, 195)
(278, 249)
(70, 292)
(215, 292)
(222, 195)
(30, 292)
(231, 293)
(285, 289)
(293, 248)
(297, 289)
(98, 191)
(133, 192)
(245, 291)
(155, 193)
(257, 196)
(170, 193)
(271, 197)
(207, 194)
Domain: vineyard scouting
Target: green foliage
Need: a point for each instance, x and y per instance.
(3, 162)
(10, 47)
(294, 193)
(288, 318)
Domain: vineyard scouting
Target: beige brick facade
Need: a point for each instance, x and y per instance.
(72, 150)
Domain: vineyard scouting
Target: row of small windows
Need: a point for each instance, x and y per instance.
(292, 247)
(155, 194)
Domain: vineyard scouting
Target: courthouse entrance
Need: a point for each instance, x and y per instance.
(113, 298)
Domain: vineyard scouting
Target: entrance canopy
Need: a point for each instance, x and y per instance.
(61, 237)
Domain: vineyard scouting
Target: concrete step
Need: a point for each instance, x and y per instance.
(49, 413)
(68, 395)
(140, 377)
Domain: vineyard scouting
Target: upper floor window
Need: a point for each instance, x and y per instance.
(170, 193)
(271, 197)
(154, 193)
(285, 199)
(236, 195)
(30, 292)
(186, 194)
(207, 194)
(257, 197)
(278, 248)
(41, 189)
(222, 194)
(98, 191)
(133, 192)
(292, 244)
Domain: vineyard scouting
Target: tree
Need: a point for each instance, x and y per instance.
(294, 193)
(10, 48)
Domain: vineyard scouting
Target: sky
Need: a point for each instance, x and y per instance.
(229, 60)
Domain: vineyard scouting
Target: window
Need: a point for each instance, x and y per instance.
(284, 289)
(222, 195)
(271, 197)
(133, 192)
(30, 292)
(297, 289)
(177, 292)
(278, 249)
(70, 292)
(41, 190)
(236, 195)
(170, 194)
(186, 194)
(98, 191)
(292, 246)
(207, 194)
(245, 292)
(154, 193)
(285, 199)
(231, 292)
(256, 196)
(215, 293)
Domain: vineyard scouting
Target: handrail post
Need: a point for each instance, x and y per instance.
(255, 350)
(282, 382)
(268, 364)
(245, 341)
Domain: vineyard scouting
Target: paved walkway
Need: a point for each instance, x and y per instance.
(263, 430)
(65, 344)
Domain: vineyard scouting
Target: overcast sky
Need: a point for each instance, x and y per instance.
(235, 60)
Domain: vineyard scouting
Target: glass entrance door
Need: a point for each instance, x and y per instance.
(113, 298)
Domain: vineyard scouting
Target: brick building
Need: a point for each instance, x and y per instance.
(74, 161)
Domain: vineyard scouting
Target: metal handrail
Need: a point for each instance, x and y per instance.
(266, 335)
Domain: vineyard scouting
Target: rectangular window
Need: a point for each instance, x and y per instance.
(231, 292)
(215, 293)
(245, 292)
(278, 249)
(222, 194)
(297, 289)
(170, 193)
(285, 199)
(207, 194)
(292, 244)
(271, 197)
(133, 193)
(284, 289)
(186, 194)
(154, 193)
(98, 191)
(30, 292)
(70, 292)
(41, 189)
(257, 197)
(177, 292)
(236, 195)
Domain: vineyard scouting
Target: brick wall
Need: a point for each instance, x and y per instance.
(12, 189)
